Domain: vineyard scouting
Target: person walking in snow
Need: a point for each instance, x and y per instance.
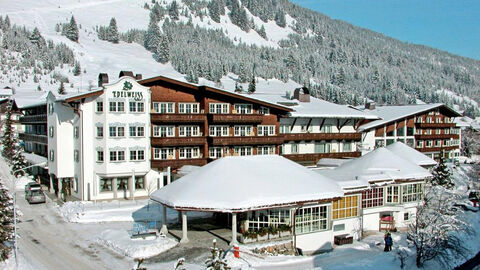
(388, 242)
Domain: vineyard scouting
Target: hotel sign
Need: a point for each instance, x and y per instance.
(126, 93)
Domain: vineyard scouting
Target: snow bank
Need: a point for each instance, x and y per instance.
(119, 241)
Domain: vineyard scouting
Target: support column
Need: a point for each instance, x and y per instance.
(60, 188)
(115, 188)
(234, 229)
(184, 228)
(131, 186)
(169, 175)
(164, 229)
(50, 187)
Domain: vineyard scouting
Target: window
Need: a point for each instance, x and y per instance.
(100, 156)
(438, 131)
(326, 129)
(243, 108)
(446, 143)
(51, 155)
(243, 150)
(311, 219)
(406, 216)
(51, 131)
(410, 131)
(116, 131)
(116, 106)
(419, 119)
(51, 109)
(136, 106)
(188, 131)
(137, 131)
(105, 184)
(163, 153)
(446, 131)
(75, 184)
(304, 128)
(164, 107)
(429, 120)
(420, 144)
(401, 131)
(188, 107)
(215, 152)
(117, 155)
(428, 143)
(139, 182)
(294, 147)
(99, 132)
(438, 120)
(75, 132)
(219, 108)
(345, 207)
(412, 193)
(392, 194)
(438, 143)
(264, 110)
(390, 133)
(122, 183)
(243, 131)
(76, 155)
(99, 106)
(266, 130)
(372, 197)
(188, 152)
(163, 131)
(390, 141)
(266, 150)
(320, 147)
(137, 155)
(219, 131)
(284, 129)
(347, 147)
(379, 143)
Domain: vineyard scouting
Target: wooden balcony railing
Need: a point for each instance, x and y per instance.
(437, 149)
(236, 118)
(314, 157)
(177, 163)
(178, 141)
(435, 125)
(247, 140)
(436, 136)
(34, 119)
(178, 118)
(33, 138)
(322, 136)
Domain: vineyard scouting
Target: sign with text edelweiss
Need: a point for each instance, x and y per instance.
(126, 93)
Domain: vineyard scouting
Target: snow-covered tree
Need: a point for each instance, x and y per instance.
(280, 18)
(435, 230)
(262, 32)
(61, 89)
(18, 162)
(6, 223)
(173, 11)
(470, 143)
(8, 136)
(77, 69)
(163, 51)
(152, 36)
(252, 86)
(70, 30)
(214, 9)
(442, 176)
(112, 31)
(216, 260)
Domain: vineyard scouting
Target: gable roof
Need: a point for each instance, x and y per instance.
(408, 153)
(389, 114)
(238, 184)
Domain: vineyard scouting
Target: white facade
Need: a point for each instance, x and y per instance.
(99, 142)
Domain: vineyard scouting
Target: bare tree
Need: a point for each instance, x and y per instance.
(435, 232)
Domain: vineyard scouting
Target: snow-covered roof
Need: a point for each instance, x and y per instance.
(237, 184)
(408, 153)
(6, 91)
(388, 114)
(331, 162)
(31, 99)
(186, 169)
(463, 121)
(378, 165)
(35, 159)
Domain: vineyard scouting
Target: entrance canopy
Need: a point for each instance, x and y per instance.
(239, 184)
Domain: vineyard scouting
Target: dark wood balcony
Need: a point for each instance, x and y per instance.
(436, 136)
(178, 141)
(236, 118)
(437, 149)
(246, 140)
(33, 138)
(33, 119)
(322, 136)
(314, 157)
(177, 163)
(434, 125)
(177, 118)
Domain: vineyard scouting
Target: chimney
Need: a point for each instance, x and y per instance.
(370, 105)
(102, 79)
(138, 76)
(302, 94)
(126, 73)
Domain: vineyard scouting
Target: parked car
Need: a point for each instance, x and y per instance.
(34, 193)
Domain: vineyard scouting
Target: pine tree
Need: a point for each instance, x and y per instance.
(61, 89)
(71, 31)
(216, 261)
(162, 51)
(214, 10)
(442, 176)
(112, 31)
(262, 32)
(77, 69)
(252, 86)
(173, 11)
(6, 223)
(18, 162)
(280, 19)
(8, 137)
(152, 35)
(191, 76)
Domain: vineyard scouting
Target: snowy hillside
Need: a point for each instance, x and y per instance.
(220, 42)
